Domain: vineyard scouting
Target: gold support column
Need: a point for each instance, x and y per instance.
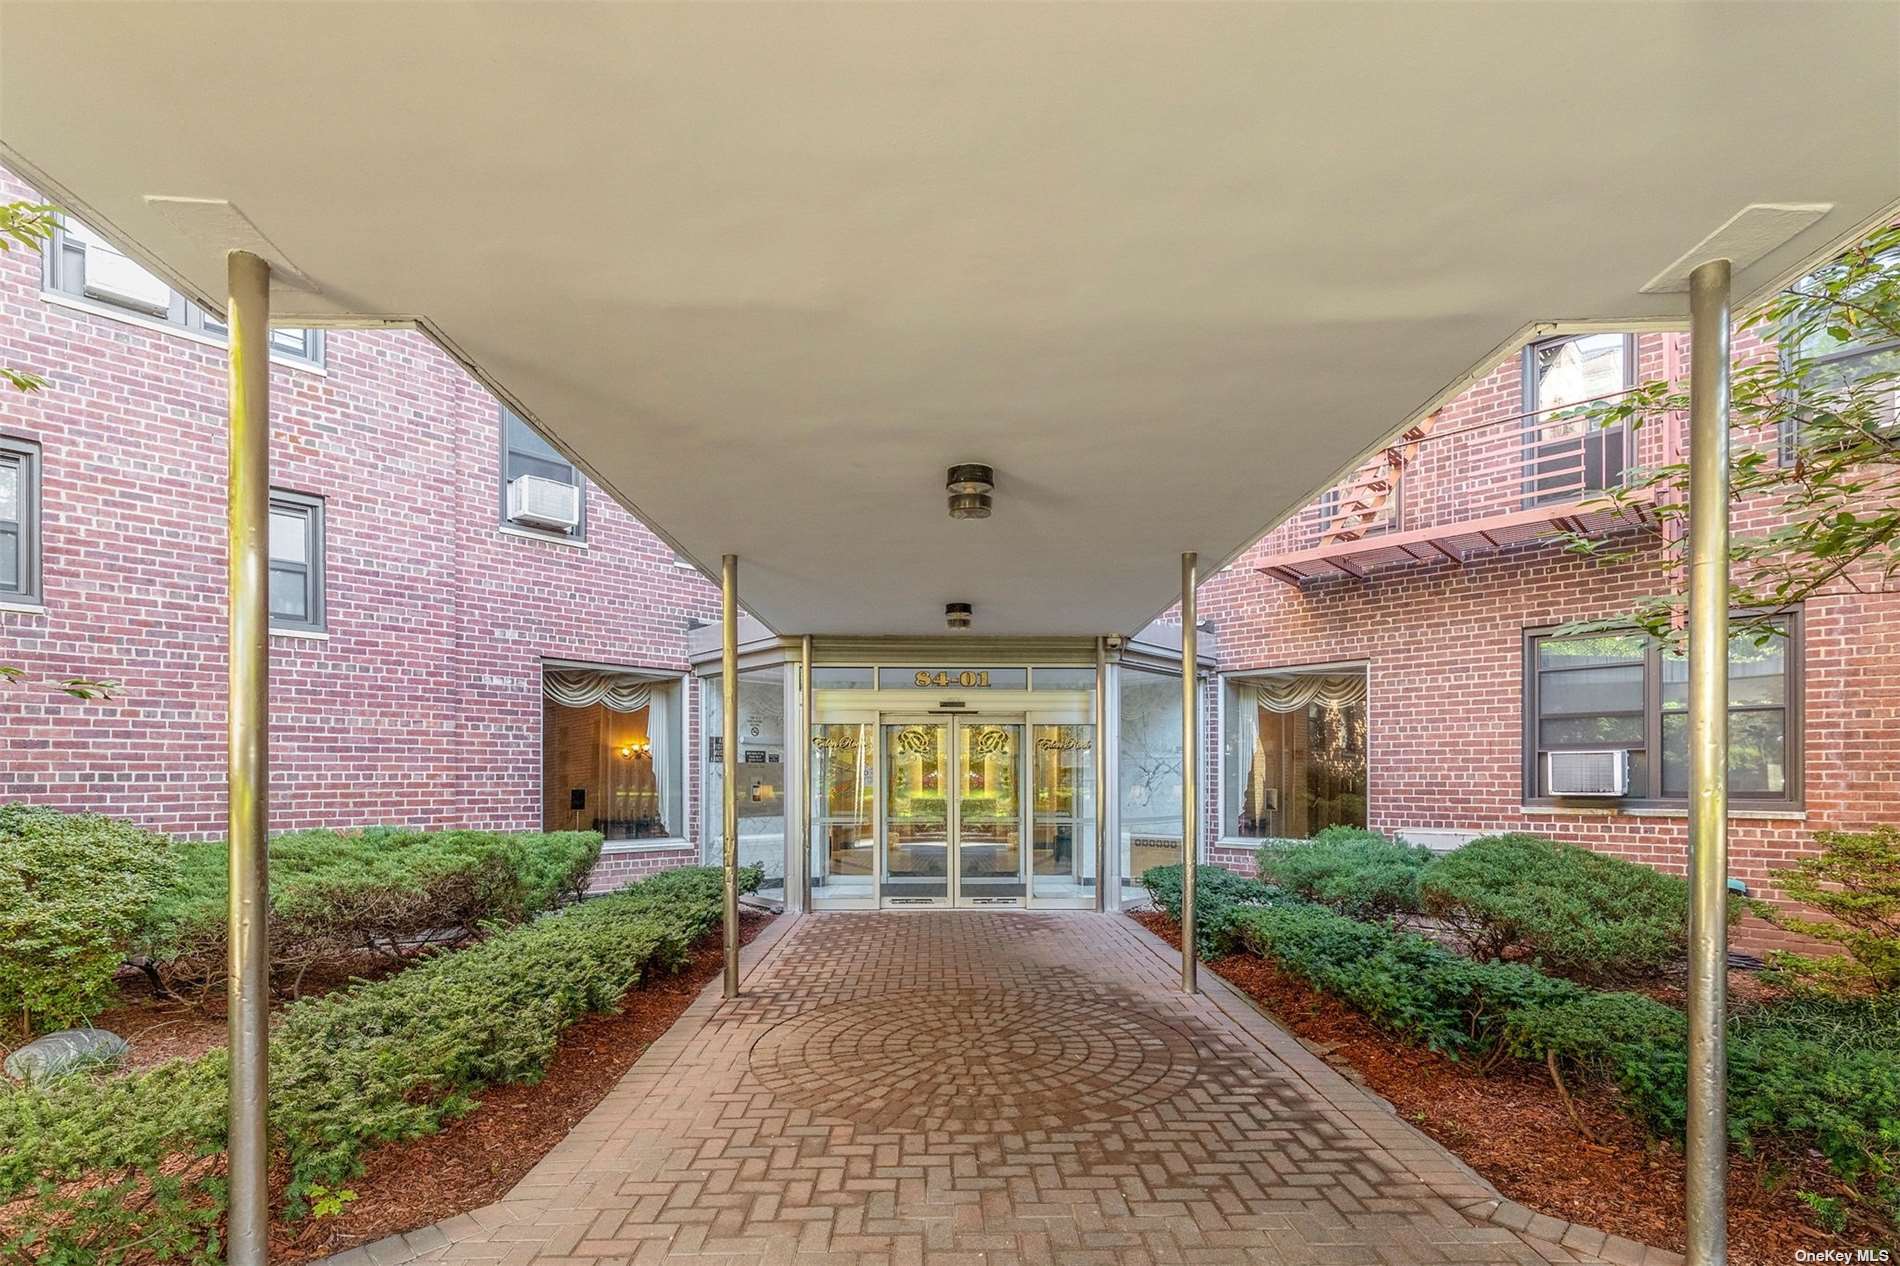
(1707, 1150)
(729, 757)
(247, 987)
(1101, 775)
(808, 716)
(1190, 765)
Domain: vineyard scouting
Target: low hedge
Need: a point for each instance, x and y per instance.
(130, 1167)
(337, 894)
(1579, 913)
(1782, 1083)
(75, 889)
(1356, 872)
(1219, 894)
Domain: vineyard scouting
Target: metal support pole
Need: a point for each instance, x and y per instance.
(1101, 775)
(1190, 764)
(247, 985)
(1707, 1151)
(810, 717)
(729, 756)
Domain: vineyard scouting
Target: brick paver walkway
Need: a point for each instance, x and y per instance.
(1000, 1088)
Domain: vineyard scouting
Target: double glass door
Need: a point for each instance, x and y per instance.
(953, 812)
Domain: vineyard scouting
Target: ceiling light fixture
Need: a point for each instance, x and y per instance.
(956, 614)
(969, 485)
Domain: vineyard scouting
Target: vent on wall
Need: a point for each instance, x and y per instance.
(1599, 773)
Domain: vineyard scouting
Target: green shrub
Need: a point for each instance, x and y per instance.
(1828, 1078)
(1405, 983)
(1219, 894)
(337, 894)
(1356, 872)
(116, 1161)
(74, 890)
(1855, 881)
(1579, 913)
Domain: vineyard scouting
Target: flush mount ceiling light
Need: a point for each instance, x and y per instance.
(957, 614)
(969, 484)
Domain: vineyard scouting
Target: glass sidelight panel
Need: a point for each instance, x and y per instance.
(1063, 850)
(917, 811)
(989, 811)
(844, 810)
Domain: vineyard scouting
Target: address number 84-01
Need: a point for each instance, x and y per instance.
(966, 679)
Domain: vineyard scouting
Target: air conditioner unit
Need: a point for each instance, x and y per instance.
(544, 503)
(1604, 773)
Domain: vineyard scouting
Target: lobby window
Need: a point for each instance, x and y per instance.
(296, 562)
(541, 491)
(1627, 693)
(1566, 453)
(610, 754)
(1294, 753)
(19, 521)
(81, 264)
(1150, 761)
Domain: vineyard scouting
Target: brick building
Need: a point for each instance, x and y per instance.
(448, 651)
(413, 622)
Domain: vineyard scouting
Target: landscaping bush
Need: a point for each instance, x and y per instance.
(1855, 881)
(1356, 872)
(1406, 983)
(1219, 894)
(385, 890)
(133, 1161)
(1828, 1080)
(1579, 913)
(74, 890)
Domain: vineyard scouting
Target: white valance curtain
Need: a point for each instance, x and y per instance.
(1295, 692)
(585, 687)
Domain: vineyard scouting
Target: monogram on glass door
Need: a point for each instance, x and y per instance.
(953, 812)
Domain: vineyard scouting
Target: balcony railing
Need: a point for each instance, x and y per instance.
(1441, 493)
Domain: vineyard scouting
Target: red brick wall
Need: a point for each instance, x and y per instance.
(422, 706)
(1444, 649)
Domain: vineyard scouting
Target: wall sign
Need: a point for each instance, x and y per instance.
(942, 679)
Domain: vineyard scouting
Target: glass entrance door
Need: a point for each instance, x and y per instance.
(989, 812)
(953, 812)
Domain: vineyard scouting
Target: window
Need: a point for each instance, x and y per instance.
(1150, 762)
(1837, 364)
(1566, 453)
(610, 754)
(82, 264)
(296, 562)
(19, 521)
(1625, 692)
(1293, 754)
(536, 506)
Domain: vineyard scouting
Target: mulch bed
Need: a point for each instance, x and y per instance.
(1512, 1128)
(477, 1159)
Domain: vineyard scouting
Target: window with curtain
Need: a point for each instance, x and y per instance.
(1294, 753)
(610, 754)
(1627, 692)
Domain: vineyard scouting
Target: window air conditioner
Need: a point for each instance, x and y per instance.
(1605, 773)
(544, 503)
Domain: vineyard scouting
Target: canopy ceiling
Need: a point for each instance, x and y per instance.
(766, 271)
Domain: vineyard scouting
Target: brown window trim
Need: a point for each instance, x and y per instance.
(1740, 802)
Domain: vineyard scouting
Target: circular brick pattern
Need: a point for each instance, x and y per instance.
(973, 1062)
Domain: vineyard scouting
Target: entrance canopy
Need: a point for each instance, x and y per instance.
(766, 271)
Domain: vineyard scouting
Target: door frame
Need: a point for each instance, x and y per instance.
(954, 723)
